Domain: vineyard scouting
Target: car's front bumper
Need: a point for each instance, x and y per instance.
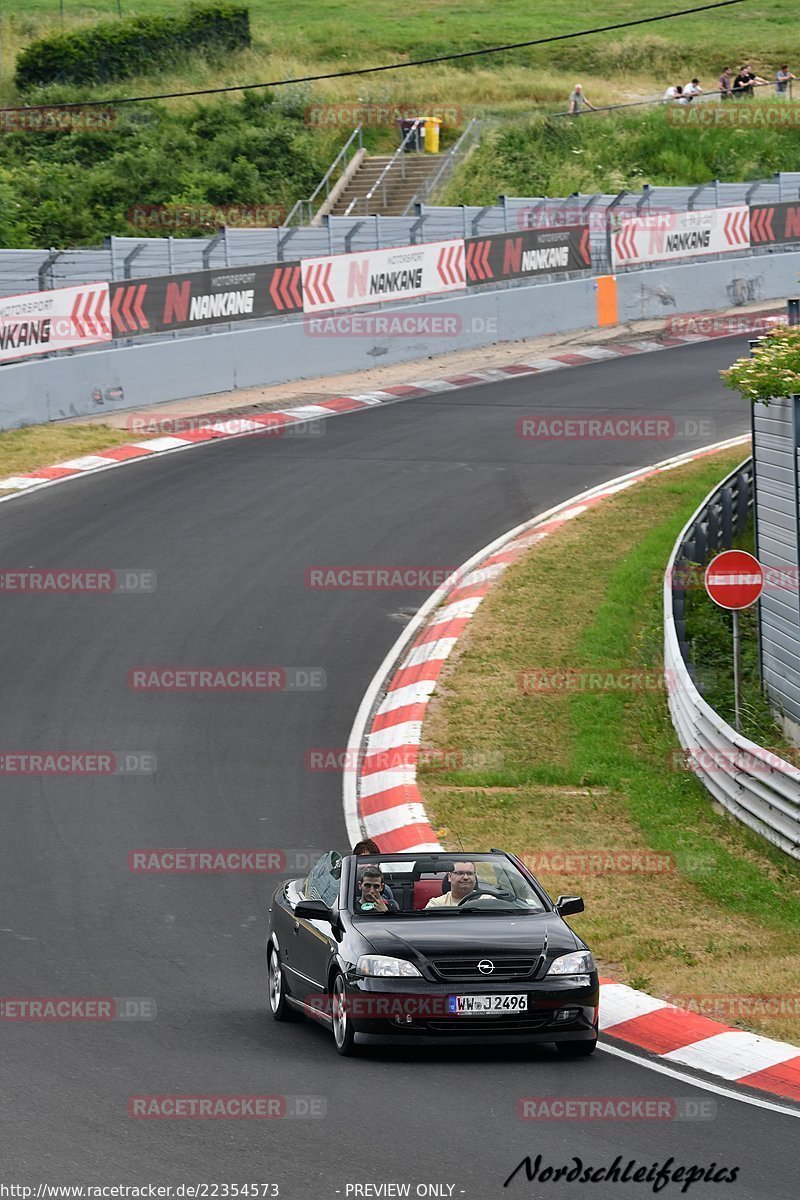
(416, 1012)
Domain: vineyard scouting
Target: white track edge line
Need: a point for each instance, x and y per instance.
(370, 698)
(700, 1082)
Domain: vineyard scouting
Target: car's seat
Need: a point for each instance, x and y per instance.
(426, 889)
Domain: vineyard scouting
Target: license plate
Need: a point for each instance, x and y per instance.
(487, 1006)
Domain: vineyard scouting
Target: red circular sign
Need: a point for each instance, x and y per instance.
(734, 579)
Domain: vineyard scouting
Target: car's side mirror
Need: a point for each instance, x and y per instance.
(313, 910)
(569, 904)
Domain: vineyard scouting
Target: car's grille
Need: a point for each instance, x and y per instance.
(461, 1025)
(465, 970)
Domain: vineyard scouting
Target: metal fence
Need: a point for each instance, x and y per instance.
(132, 257)
(753, 784)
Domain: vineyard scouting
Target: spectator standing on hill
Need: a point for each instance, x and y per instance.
(745, 81)
(724, 84)
(692, 89)
(577, 101)
(783, 77)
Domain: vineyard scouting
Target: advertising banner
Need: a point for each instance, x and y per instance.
(197, 298)
(529, 252)
(668, 237)
(774, 224)
(61, 319)
(372, 276)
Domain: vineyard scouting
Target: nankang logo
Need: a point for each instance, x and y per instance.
(485, 966)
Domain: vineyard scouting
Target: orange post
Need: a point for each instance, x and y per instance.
(606, 299)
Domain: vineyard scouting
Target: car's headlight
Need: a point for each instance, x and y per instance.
(383, 965)
(579, 963)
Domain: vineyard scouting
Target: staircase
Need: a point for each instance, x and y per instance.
(407, 177)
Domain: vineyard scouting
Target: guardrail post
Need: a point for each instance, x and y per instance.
(129, 259)
(46, 269)
(348, 237)
(417, 226)
(211, 247)
(112, 250)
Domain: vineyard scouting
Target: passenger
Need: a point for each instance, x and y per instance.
(367, 846)
(370, 897)
(463, 880)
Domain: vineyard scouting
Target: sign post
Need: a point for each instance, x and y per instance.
(735, 580)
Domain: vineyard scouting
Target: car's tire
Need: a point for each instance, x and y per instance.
(278, 1005)
(343, 1035)
(576, 1049)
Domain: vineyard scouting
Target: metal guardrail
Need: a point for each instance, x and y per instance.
(454, 157)
(753, 784)
(303, 210)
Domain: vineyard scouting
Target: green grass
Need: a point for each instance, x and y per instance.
(324, 29)
(46, 445)
(71, 188)
(558, 157)
(599, 769)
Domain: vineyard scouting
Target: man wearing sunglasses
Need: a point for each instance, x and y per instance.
(463, 879)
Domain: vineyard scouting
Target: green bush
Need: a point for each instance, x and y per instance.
(73, 188)
(115, 50)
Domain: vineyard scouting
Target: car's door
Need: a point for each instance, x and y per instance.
(310, 944)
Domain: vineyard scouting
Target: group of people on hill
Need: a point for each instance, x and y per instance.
(733, 87)
(729, 87)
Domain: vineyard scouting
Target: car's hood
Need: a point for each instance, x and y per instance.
(443, 936)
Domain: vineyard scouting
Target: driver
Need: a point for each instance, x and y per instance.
(463, 880)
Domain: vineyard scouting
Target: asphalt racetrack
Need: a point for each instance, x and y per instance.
(231, 531)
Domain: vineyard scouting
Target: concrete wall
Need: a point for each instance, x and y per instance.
(161, 369)
(706, 287)
(165, 369)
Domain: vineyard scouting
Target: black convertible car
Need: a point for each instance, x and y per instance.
(431, 947)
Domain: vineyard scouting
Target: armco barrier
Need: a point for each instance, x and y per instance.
(754, 785)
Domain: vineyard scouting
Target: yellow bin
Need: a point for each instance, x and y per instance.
(432, 134)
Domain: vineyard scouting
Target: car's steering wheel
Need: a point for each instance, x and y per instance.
(486, 890)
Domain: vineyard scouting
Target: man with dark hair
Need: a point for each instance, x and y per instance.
(367, 846)
(745, 81)
(370, 894)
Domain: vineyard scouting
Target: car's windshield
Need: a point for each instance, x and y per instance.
(434, 884)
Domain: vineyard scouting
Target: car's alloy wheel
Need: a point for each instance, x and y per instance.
(576, 1049)
(277, 998)
(343, 1035)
